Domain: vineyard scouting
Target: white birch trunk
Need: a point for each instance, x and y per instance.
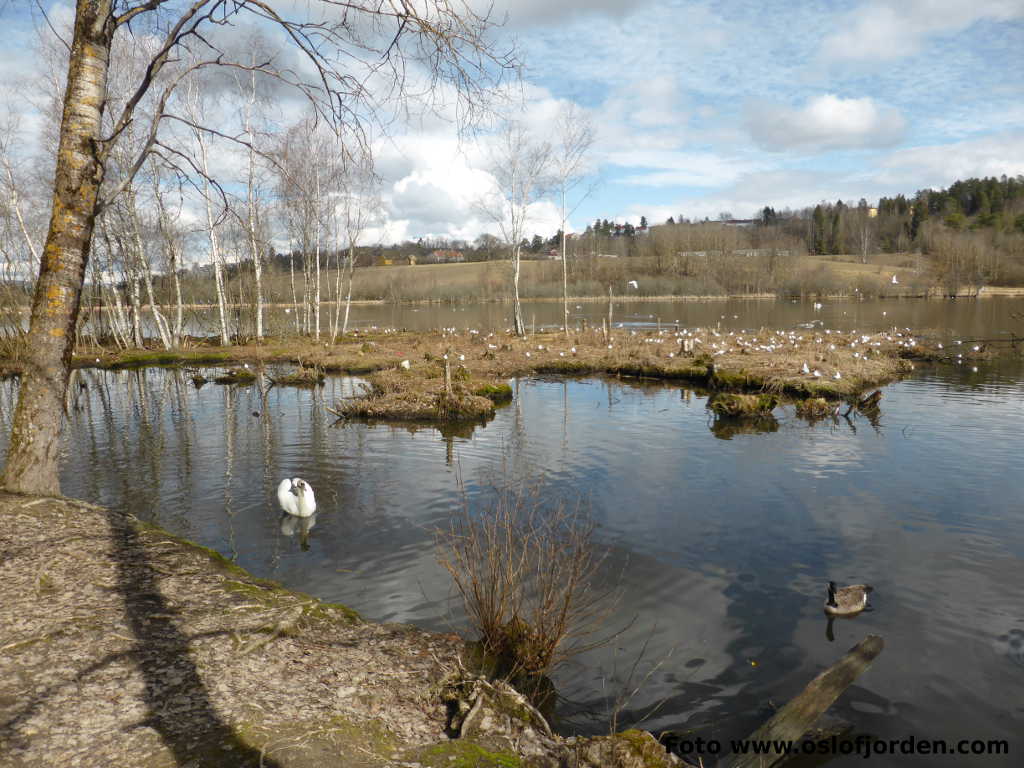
(254, 249)
(215, 250)
(348, 297)
(295, 298)
(146, 273)
(565, 274)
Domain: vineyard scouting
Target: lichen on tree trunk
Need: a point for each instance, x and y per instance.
(33, 452)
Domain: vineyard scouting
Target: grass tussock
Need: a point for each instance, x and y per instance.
(236, 376)
(732, 404)
(815, 408)
(303, 376)
(421, 394)
(498, 392)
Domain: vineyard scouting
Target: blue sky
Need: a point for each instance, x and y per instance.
(706, 107)
(700, 108)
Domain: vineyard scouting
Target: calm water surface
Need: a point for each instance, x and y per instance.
(721, 542)
(972, 317)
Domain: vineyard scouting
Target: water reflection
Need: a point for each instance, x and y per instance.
(728, 427)
(291, 525)
(724, 546)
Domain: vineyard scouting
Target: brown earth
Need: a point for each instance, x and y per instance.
(121, 645)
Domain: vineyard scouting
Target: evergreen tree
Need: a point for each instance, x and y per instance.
(837, 242)
(917, 218)
(818, 238)
(643, 222)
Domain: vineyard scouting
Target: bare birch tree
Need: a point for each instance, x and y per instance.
(247, 83)
(519, 165)
(357, 210)
(195, 106)
(171, 237)
(363, 56)
(303, 189)
(20, 233)
(575, 136)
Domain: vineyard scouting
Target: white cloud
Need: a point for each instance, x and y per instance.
(893, 29)
(939, 165)
(530, 13)
(824, 123)
(676, 168)
(779, 188)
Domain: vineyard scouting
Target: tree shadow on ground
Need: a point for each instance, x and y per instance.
(179, 706)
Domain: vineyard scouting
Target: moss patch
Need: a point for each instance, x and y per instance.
(496, 393)
(136, 358)
(730, 404)
(303, 376)
(236, 376)
(814, 408)
(464, 754)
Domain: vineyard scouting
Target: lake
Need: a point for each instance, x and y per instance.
(967, 316)
(720, 542)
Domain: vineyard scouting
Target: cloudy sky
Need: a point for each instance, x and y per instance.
(701, 108)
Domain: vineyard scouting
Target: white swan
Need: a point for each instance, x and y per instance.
(296, 497)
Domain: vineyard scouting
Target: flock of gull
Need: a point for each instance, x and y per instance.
(297, 500)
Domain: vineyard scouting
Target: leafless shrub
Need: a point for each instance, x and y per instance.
(526, 570)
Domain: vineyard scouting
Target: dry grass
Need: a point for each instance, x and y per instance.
(418, 395)
(236, 376)
(759, 360)
(733, 404)
(815, 408)
(12, 353)
(304, 376)
(590, 277)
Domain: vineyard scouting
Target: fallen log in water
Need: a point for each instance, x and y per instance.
(798, 716)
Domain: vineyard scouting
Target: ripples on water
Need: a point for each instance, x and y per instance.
(723, 545)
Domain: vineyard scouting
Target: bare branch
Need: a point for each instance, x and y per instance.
(46, 18)
(149, 5)
(156, 64)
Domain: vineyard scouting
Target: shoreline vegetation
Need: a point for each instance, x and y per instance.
(451, 376)
(656, 279)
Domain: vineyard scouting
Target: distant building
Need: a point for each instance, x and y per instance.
(872, 213)
(740, 222)
(446, 257)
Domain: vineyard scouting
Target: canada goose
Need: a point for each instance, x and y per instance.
(846, 601)
(295, 496)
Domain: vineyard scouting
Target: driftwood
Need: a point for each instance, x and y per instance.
(798, 716)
